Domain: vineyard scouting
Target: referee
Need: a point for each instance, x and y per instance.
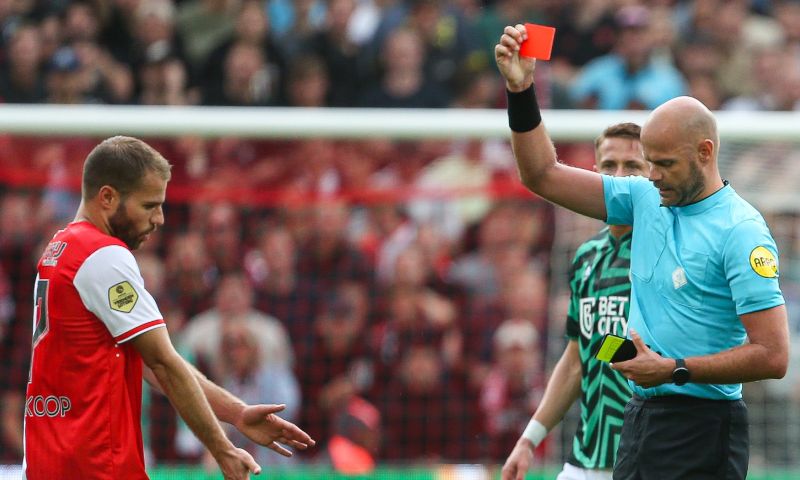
(704, 275)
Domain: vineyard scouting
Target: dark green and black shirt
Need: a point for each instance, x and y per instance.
(600, 290)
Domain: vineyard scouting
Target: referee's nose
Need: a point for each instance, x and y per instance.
(655, 174)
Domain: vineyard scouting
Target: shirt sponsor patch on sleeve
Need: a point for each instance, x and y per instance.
(122, 297)
(763, 262)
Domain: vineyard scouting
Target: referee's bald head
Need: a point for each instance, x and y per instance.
(681, 120)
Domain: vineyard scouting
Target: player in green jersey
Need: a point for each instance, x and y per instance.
(599, 301)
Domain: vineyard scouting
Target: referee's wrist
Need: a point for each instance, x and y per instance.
(519, 87)
(523, 110)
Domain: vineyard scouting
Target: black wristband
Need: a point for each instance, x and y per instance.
(523, 110)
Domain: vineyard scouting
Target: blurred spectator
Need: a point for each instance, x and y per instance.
(353, 448)
(278, 289)
(334, 366)
(524, 298)
(705, 89)
(203, 25)
(501, 247)
(416, 316)
(234, 303)
(450, 42)
(314, 173)
(787, 14)
(117, 33)
(19, 248)
(307, 83)
(344, 60)
(21, 79)
(250, 375)
(7, 307)
(223, 235)
(295, 19)
(629, 77)
(162, 78)
(66, 79)
(699, 55)
(455, 183)
(734, 31)
(393, 232)
(777, 76)
(328, 257)
(404, 83)
(586, 30)
(247, 81)
(253, 28)
(496, 15)
(514, 386)
(190, 273)
(157, 54)
(476, 88)
(105, 80)
(430, 414)
(401, 175)
(11, 395)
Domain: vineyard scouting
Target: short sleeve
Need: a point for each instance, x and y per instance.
(619, 194)
(751, 267)
(112, 288)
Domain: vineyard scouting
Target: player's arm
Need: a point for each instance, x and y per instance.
(179, 384)
(765, 356)
(257, 422)
(563, 388)
(574, 188)
(11, 420)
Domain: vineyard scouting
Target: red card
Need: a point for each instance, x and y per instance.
(539, 44)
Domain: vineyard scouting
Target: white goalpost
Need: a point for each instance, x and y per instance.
(277, 122)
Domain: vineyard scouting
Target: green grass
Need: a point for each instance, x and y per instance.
(433, 473)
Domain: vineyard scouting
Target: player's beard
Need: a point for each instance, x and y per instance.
(123, 228)
(695, 184)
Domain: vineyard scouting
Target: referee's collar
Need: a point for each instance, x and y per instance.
(703, 205)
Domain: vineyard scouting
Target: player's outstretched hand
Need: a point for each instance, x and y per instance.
(518, 463)
(647, 369)
(518, 71)
(237, 464)
(260, 424)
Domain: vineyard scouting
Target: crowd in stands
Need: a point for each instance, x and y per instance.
(608, 54)
(396, 323)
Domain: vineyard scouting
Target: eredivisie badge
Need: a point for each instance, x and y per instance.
(122, 297)
(763, 262)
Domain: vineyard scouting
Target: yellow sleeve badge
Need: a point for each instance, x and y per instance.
(763, 262)
(122, 297)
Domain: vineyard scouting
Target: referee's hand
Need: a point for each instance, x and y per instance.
(647, 368)
(517, 71)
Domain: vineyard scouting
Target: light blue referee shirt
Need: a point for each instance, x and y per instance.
(694, 270)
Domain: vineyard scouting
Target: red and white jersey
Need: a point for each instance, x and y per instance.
(83, 405)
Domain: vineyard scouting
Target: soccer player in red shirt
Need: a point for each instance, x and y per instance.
(94, 323)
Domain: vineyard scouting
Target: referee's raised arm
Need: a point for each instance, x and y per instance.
(574, 188)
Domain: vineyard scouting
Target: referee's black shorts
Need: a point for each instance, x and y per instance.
(683, 438)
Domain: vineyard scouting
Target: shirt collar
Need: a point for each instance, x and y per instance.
(711, 201)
